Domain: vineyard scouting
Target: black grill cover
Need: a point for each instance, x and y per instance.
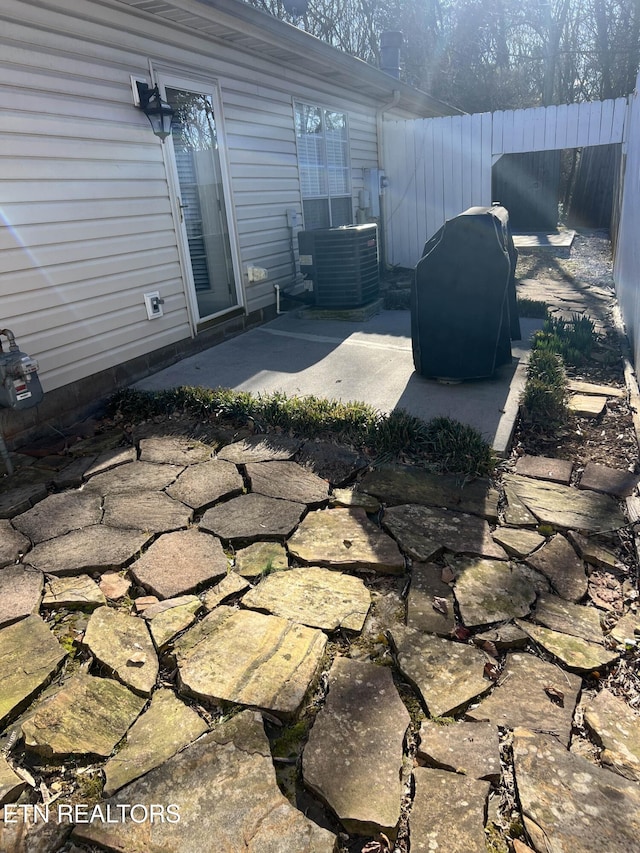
(463, 300)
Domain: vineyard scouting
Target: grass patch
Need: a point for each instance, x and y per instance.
(533, 309)
(442, 443)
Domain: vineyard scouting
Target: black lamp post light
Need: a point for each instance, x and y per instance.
(159, 112)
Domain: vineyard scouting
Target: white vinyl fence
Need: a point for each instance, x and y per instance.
(626, 269)
(438, 167)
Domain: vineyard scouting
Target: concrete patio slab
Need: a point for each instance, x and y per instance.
(369, 361)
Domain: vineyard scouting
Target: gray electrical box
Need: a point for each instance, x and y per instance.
(20, 386)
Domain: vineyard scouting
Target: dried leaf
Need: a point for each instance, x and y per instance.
(461, 633)
(491, 671)
(440, 604)
(380, 845)
(489, 647)
(556, 696)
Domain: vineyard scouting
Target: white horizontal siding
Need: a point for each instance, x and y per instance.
(87, 225)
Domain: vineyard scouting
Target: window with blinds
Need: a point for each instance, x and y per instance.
(323, 159)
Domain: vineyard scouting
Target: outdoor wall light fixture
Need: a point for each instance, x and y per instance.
(159, 112)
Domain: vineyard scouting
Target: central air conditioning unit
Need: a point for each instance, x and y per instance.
(342, 263)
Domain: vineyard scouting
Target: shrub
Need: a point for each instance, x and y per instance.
(544, 400)
(572, 339)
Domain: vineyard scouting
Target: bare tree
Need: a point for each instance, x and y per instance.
(491, 54)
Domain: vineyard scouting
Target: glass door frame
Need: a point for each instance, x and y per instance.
(209, 88)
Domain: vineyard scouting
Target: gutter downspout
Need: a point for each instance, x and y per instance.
(381, 158)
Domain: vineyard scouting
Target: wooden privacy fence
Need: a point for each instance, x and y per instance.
(438, 167)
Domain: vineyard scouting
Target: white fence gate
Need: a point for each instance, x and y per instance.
(438, 167)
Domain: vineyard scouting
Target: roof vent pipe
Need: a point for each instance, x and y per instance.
(390, 45)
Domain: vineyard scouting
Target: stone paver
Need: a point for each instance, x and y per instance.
(402, 484)
(611, 481)
(20, 592)
(152, 511)
(472, 749)
(507, 636)
(231, 584)
(180, 562)
(330, 461)
(12, 543)
(587, 405)
(114, 585)
(627, 628)
(430, 603)
(122, 644)
(517, 542)
(545, 468)
(21, 498)
(569, 803)
(575, 619)
(176, 450)
(574, 652)
(254, 560)
(87, 716)
(110, 458)
(313, 596)
(447, 813)
(171, 616)
(96, 548)
(166, 726)
(288, 481)
(134, 477)
(73, 593)
(200, 486)
(11, 785)
(346, 539)
(492, 591)
(260, 448)
(247, 658)
(424, 531)
(73, 474)
(515, 513)
(252, 517)
(566, 507)
(59, 514)
(616, 728)
(29, 656)
(593, 553)
(580, 387)
(351, 497)
(531, 692)
(357, 737)
(558, 561)
(226, 799)
(447, 675)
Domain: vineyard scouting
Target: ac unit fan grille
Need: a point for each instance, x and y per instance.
(346, 271)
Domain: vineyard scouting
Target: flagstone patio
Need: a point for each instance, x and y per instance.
(195, 624)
